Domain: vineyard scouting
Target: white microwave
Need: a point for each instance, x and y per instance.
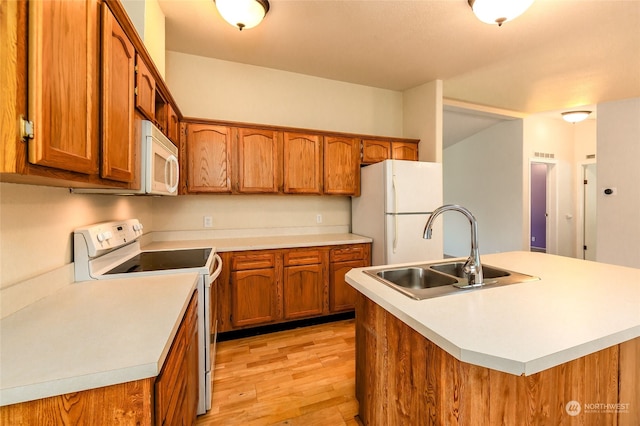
(159, 169)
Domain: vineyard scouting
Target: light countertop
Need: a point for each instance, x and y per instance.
(91, 334)
(261, 243)
(576, 308)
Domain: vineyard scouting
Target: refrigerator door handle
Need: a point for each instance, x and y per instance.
(395, 211)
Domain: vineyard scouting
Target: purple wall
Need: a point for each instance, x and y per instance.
(539, 205)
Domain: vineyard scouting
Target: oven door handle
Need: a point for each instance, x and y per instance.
(216, 273)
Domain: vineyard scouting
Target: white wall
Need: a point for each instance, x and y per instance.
(422, 119)
(37, 222)
(618, 154)
(222, 90)
(484, 174)
(149, 21)
(555, 136)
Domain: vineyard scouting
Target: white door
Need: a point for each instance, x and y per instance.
(590, 195)
(404, 242)
(412, 186)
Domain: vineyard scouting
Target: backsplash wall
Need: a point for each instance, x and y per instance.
(37, 223)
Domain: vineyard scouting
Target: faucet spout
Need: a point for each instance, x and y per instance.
(473, 266)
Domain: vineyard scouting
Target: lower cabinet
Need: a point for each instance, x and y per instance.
(170, 398)
(264, 287)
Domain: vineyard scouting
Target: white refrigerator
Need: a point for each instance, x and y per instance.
(395, 201)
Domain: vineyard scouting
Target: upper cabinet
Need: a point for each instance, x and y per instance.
(374, 151)
(259, 165)
(208, 149)
(342, 165)
(145, 89)
(63, 78)
(118, 84)
(302, 155)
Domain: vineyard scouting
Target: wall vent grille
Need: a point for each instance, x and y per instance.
(544, 155)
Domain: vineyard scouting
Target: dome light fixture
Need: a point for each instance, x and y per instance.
(575, 116)
(498, 11)
(243, 14)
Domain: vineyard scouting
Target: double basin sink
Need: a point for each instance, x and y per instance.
(430, 280)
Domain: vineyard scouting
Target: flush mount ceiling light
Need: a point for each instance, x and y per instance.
(575, 116)
(498, 11)
(243, 13)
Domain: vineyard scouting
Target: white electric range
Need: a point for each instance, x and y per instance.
(112, 250)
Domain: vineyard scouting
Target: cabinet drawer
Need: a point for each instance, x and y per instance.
(302, 257)
(356, 252)
(245, 262)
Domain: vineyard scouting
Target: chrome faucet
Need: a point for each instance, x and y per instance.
(472, 268)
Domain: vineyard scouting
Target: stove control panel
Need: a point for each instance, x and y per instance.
(96, 240)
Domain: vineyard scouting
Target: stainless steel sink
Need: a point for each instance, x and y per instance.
(436, 279)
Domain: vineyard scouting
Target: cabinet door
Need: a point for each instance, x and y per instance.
(375, 151)
(404, 151)
(302, 156)
(341, 166)
(118, 85)
(173, 125)
(208, 158)
(63, 82)
(145, 89)
(258, 160)
(303, 291)
(254, 297)
(342, 296)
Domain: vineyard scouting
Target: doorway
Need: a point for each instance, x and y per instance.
(589, 212)
(538, 205)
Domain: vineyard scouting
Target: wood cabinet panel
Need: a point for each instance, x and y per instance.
(63, 77)
(145, 89)
(404, 151)
(302, 158)
(341, 166)
(374, 151)
(254, 297)
(443, 390)
(118, 86)
(208, 158)
(303, 291)
(259, 160)
(173, 125)
(342, 296)
(296, 257)
(350, 252)
(253, 260)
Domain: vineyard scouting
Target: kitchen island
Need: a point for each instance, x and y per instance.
(561, 350)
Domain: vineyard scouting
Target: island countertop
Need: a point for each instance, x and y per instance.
(576, 308)
(91, 334)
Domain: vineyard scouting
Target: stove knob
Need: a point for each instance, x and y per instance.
(107, 235)
(100, 237)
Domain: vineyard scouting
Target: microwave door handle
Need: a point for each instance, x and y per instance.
(168, 173)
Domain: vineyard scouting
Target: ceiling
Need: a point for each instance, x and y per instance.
(559, 54)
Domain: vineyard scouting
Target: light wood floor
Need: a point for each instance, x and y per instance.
(304, 376)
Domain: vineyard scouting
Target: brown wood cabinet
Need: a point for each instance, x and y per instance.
(255, 288)
(173, 125)
(402, 376)
(118, 85)
(208, 166)
(374, 150)
(303, 285)
(264, 287)
(342, 296)
(341, 165)
(169, 398)
(145, 89)
(302, 156)
(176, 388)
(63, 77)
(259, 160)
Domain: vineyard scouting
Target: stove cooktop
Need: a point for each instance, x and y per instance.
(163, 260)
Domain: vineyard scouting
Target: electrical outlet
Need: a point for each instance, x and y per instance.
(318, 218)
(208, 222)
